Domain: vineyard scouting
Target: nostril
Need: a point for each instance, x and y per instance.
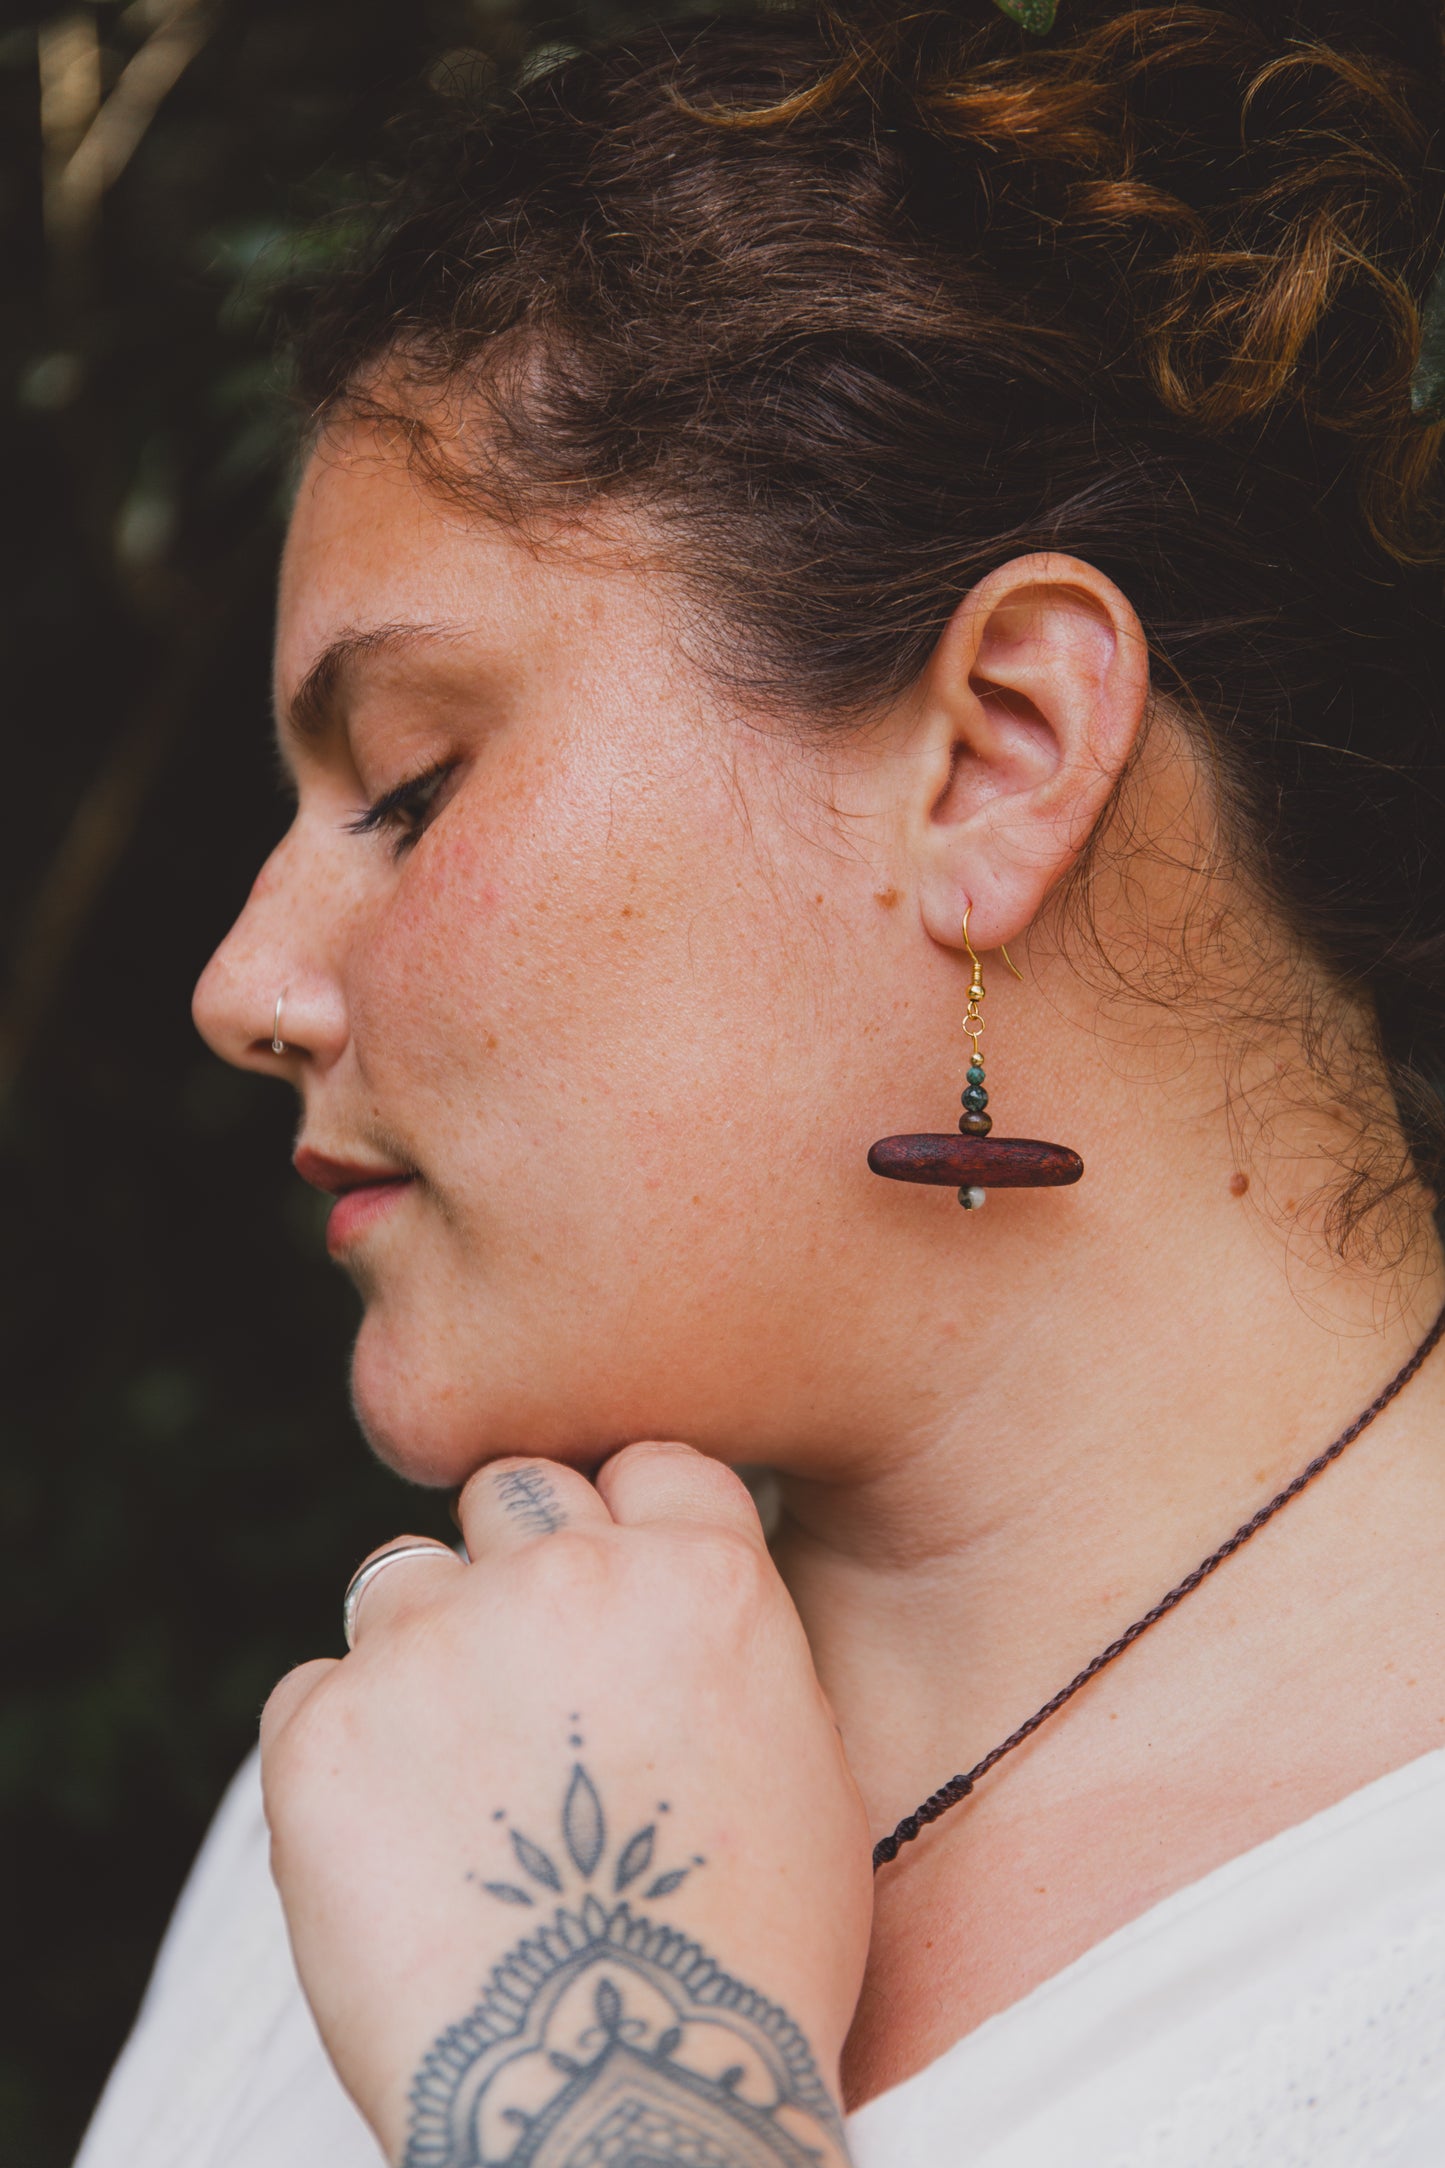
(235, 1012)
(264, 1007)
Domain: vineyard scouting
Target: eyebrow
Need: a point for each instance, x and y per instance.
(314, 707)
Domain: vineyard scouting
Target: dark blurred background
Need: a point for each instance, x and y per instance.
(182, 1489)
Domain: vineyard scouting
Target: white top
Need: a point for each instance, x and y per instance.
(1287, 2011)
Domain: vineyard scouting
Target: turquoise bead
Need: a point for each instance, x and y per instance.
(975, 1072)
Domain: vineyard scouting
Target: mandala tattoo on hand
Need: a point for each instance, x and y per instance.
(606, 2040)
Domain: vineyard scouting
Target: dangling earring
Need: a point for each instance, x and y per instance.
(974, 1159)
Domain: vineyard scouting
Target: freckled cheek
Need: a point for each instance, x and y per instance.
(497, 960)
(463, 963)
(424, 971)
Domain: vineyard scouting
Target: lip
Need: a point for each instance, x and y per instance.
(364, 1192)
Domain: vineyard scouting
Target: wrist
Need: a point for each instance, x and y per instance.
(602, 2021)
(616, 1984)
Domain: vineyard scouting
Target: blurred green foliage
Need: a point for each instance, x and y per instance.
(182, 1489)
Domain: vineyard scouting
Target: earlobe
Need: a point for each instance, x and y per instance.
(1033, 701)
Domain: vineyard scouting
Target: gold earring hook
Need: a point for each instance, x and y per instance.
(974, 960)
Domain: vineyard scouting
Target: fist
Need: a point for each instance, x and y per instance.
(567, 1844)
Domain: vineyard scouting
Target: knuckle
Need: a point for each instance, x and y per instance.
(565, 1565)
(394, 1644)
(305, 1744)
(730, 1569)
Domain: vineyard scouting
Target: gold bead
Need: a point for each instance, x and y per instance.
(975, 992)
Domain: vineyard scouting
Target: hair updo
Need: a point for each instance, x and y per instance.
(859, 305)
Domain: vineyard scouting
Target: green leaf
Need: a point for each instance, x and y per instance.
(1035, 16)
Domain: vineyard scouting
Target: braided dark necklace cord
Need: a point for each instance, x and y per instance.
(957, 1788)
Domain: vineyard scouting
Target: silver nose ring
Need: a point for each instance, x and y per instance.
(278, 1044)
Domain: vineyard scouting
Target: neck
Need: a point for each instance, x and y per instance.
(1158, 1371)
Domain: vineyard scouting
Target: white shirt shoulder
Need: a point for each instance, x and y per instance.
(1286, 2011)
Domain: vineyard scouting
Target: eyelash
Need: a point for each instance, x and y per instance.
(404, 810)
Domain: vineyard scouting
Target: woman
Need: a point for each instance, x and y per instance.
(797, 516)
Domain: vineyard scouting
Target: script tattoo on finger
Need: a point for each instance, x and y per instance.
(606, 2039)
(529, 1499)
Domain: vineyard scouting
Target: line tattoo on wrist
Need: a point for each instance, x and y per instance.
(605, 2039)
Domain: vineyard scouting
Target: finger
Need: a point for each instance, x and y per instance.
(662, 1482)
(289, 1694)
(402, 1577)
(521, 1501)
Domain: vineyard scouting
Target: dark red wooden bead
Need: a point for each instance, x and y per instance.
(989, 1162)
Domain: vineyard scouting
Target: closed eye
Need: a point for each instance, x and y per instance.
(406, 812)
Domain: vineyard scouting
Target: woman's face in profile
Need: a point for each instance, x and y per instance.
(595, 992)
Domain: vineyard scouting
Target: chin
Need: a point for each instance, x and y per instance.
(414, 1426)
(409, 1450)
(407, 1416)
(435, 1429)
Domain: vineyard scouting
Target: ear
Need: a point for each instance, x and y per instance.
(1029, 709)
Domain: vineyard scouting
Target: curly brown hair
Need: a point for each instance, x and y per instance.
(858, 304)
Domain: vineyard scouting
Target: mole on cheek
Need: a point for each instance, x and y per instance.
(1238, 1184)
(886, 896)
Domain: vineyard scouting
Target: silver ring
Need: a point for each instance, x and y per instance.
(278, 1044)
(361, 1580)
